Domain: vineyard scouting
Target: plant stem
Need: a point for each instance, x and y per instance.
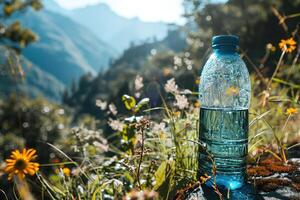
(277, 68)
(141, 160)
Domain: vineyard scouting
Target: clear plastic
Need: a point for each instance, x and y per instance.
(225, 92)
(225, 82)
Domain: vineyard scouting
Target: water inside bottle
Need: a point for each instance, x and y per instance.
(224, 132)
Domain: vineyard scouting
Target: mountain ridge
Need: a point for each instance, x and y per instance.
(117, 30)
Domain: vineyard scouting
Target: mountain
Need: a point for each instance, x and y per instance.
(115, 29)
(53, 6)
(65, 49)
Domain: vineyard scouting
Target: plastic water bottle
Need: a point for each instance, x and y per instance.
(225, 91)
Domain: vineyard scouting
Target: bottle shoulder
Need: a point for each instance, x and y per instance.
(225, 82)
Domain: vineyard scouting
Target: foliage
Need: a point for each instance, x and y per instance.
(36, 121)
(144, 140)
(14, 37)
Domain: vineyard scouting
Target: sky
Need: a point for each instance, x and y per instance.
(147, 10)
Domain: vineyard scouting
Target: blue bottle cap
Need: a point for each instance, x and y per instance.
(225, 40)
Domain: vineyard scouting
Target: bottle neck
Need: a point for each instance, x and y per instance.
(225, 49)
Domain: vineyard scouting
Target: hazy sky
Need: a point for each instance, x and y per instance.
(147, 10)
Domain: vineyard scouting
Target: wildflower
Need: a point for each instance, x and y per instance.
(113, 109)
(141, 195)
(138, 83)
(265, 98)
(204, 178)
(102, 146)
(177, 114)
(291, 111)
(288, 45)
(101, 104)
(167, 71)
(171, 86)
(197, 104)
(186, 91)
(80, 189)
(270, 47)
(118, 185)
(177, 61)
(20, 163)
(66, 171)
(197, 81)
(116, 125)
(157, 128)
(181, 102)
(133, 119)
(232, 90)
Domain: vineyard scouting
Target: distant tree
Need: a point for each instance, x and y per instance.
(14, 37)
(253, 21)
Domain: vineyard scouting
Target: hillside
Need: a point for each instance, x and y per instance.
(78, 50)
(36, 83)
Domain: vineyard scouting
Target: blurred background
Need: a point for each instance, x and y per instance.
(62, 62)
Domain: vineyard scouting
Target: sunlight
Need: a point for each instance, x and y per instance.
(154, 10)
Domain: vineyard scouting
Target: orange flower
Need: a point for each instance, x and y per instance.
(288, 45)
(197, 81)
(66, 171)
(232, 90)
(177, 114)
(291, 111)
(197, 104)
(20, 163)
(167, 71)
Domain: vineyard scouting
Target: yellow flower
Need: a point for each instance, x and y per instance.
(204, 178)
(288, 45)
(291, 111)
(232, 90)
(66, 171)
(197, 81)
(197, 104)
(270, 47)
(177, 114)
(167, 71)
(20, 163)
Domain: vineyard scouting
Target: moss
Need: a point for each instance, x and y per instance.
(259, 171)
(271, 184)
(280, 168)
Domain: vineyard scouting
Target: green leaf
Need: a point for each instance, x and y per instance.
(129, 102)
(164, 178)
(160, 175)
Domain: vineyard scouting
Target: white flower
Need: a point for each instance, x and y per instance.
(137, 94)
(159, 127)
(117, 184)
(113, 109)
(116, 125)
(186, 91)
(177, 61)
(101, 104)
(133, 119)
(103, 147)
(80, 189)
(138, 83)
(181, 102)
(171, 86)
